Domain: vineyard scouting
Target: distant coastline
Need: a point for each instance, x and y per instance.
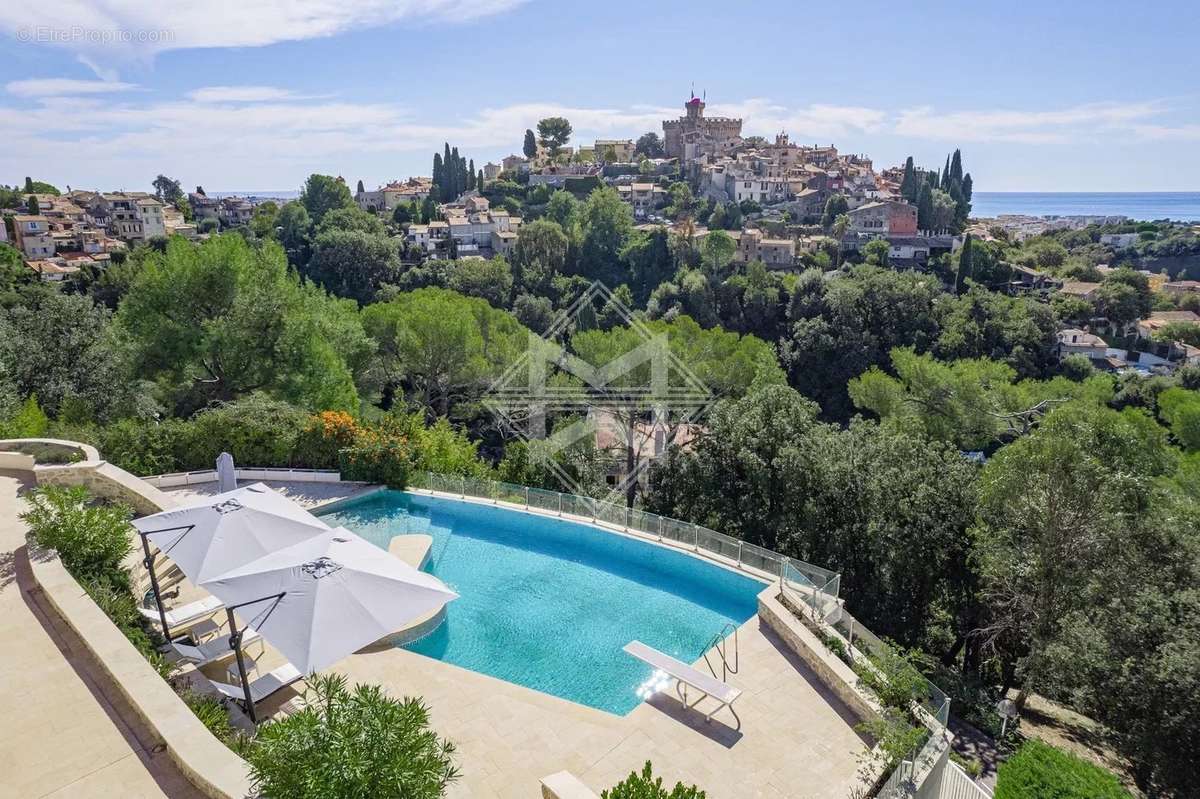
(1183, 206)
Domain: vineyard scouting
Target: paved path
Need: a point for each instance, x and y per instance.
(307, 495)
(62, 730)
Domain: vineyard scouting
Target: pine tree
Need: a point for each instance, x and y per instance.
(964, 266)
(530, 148)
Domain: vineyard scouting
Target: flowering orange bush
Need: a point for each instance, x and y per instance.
(324, 436)
(378, 455)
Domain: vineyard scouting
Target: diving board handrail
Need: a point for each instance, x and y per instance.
(720, 643)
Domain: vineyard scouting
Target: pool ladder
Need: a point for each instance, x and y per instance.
(720, 643)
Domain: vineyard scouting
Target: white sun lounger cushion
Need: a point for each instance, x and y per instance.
(209, 651)
(185, 614)
(262, 687)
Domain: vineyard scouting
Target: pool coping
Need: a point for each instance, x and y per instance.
(729, 564)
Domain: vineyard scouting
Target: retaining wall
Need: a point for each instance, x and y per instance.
(206, 762)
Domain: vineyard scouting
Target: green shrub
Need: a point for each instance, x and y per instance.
(351, 744)
(145, 447)
(1039, 770)
(29, 421)
(92, 540)
(835, 645)
(212, 714)
(119, 605)
(256, 431)
(647, 786)
(896, 736)
(893, 678)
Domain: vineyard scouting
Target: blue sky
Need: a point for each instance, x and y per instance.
(257, 94)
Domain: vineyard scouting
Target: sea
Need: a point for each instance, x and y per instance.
(1180, 206)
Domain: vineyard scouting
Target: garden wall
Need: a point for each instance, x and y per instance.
(206, 762)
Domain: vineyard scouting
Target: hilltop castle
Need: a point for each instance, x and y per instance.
(694, 135)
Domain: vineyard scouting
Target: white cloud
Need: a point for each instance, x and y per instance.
(241, 94)
(814, 122)
(1026, 127)
(264, 137)
(53, 87)
(129, 28)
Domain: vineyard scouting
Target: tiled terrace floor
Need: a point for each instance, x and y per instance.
(60, 733)
(796, 740)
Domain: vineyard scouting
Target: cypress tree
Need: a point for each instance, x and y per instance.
(479, 180)
(471, 175)
(530, 148)
(908, 186)
(438, 172)
(925, 207)
(964, 266)
(956, 170)
(360, 187)
(962, 209)
(946, 175)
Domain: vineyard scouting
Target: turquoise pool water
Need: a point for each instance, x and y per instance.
(549, 603)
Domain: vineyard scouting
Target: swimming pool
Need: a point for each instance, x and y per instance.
(548, 603)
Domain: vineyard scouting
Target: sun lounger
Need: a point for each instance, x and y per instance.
(186, 615)
(684, 676)
(209, 651)
(262, 687)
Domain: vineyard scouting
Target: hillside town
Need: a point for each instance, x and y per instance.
(787, 205)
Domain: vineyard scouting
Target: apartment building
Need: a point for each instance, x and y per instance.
(622, 150)
(399, 192)
(754, 245)
(884, 218)
(32, 236)
(131, 216)
(234, 212)
(643, 198)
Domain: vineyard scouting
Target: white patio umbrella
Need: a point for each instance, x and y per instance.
(322, 598)
(211, 536)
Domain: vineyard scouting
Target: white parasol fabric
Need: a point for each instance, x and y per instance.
(328, 596)
(221, 532)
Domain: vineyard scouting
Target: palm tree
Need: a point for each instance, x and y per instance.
(840, 224)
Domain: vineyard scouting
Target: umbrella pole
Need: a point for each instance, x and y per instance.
(149, 563)
(235, 643)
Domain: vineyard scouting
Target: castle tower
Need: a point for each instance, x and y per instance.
(694, 108)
